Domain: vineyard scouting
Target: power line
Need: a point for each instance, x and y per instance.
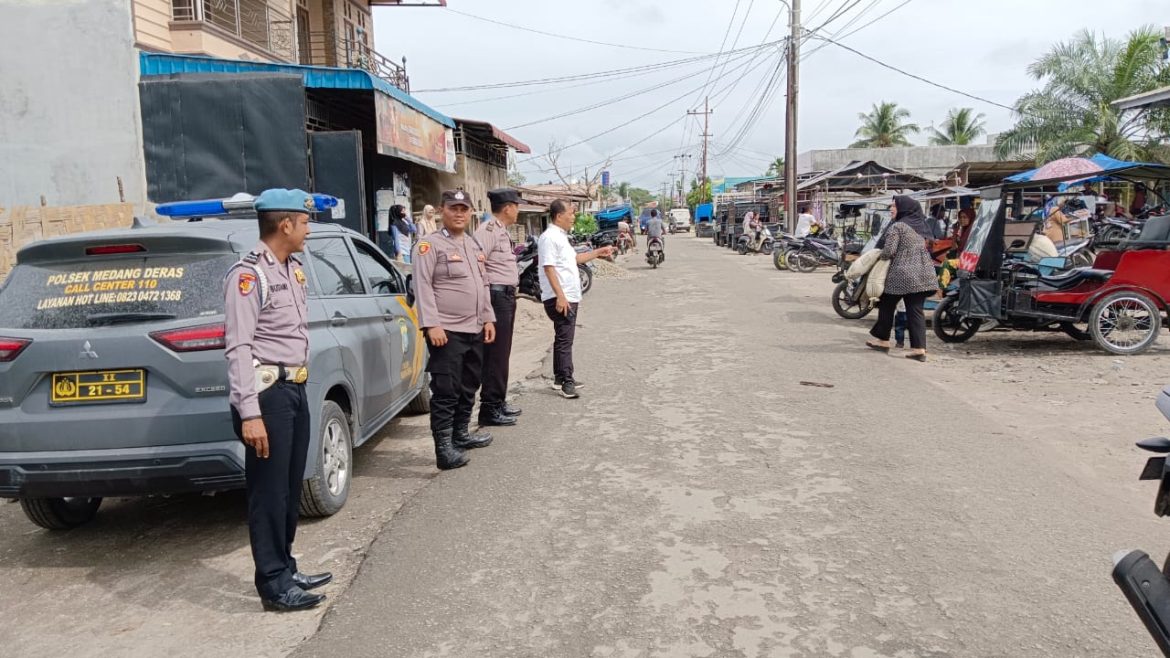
(916, 77)
(608, 101)
(595, 74)
(722, 45)
(622, 125)
(568, 38)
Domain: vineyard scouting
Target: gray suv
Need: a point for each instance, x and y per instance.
(113, 380)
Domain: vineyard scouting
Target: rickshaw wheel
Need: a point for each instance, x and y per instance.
(1075, 332)
(1125, 323)
(949, 326)
(846, 308)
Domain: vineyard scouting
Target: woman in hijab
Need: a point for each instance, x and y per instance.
(911, 276)
(400, 231)
(427, 224)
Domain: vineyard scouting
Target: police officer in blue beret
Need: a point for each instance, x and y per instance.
(267, 346)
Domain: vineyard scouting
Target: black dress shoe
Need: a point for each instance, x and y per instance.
(464, 440)
(307, 582)
(292, 600)
(509, 410)
(495, 416)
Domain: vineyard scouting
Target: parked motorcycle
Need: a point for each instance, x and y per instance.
(1144, 583)
(655, 253)
(807, 254)
(527, 263)
(849, 298)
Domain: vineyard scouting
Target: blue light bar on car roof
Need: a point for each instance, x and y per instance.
(220, 207)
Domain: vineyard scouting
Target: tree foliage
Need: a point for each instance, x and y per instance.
(884, 126)
(961, 127)
(699, 193)
(1072, 114)
(776, 167)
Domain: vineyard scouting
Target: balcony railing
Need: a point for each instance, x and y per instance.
(327, 49)
(253, 21)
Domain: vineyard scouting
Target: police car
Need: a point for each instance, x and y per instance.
(113, 380)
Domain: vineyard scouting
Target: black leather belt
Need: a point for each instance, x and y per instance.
(508, 290)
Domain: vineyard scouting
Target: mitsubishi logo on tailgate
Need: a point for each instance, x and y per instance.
(87, 351)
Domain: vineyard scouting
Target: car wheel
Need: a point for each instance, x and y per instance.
(421, 404)
(60, 513)
(1125, 323)
(325, 493)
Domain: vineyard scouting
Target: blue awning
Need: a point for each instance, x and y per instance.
(315, 77)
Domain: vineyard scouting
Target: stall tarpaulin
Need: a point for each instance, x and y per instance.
(406, 133)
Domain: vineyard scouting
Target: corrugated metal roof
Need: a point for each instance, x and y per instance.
(315, 77)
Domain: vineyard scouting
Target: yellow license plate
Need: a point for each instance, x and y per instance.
(99, 386)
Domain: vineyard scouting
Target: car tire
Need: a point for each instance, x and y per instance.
(421, 404)
(325, 493)
(60, 513)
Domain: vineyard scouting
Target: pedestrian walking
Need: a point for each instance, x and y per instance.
(503, 277)
(267, 348)
(455, 311)
(560, 290)
(911, 277)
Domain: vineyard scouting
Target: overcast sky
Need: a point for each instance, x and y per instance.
(978, 46)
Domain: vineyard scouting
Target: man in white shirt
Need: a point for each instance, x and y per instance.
(560, 290)
(804, 222)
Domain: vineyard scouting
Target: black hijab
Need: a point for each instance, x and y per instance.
(909, 213)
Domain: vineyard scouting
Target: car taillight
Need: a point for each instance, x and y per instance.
(10, 348)
(111, 249)
(192, 339)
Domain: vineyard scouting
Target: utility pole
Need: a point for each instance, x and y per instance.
(706, 133)
(790, 115)
(682, 183)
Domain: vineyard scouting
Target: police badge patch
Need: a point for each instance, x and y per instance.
(423, 248)
(310, 204)
(247, 283)
(299, 275)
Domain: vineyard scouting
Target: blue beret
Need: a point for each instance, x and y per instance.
(286, 200)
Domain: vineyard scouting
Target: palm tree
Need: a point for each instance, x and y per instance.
(1073, 114)
(884, 126)
(623, 190)
(961, 127)
(776, 168)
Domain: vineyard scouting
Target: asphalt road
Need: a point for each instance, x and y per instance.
(742, 478)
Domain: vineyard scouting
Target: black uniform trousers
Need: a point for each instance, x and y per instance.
(455, 372)
(274, 485)
(915, 317)
(564, 331)
(497, 354)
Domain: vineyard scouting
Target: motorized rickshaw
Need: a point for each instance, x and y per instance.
(731, 220)
(1118, 302)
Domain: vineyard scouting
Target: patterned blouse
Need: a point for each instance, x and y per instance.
(911, 268)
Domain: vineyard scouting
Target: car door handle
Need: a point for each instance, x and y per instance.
(338, 320)
(388, 317)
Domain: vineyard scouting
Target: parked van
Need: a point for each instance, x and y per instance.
(680, 219)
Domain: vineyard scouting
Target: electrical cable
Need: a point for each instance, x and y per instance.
(916, 77)
(595, 74)
(622, 125)
(566, 37)
(609, 101)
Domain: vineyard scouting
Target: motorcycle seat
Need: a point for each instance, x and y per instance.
(1074, 278)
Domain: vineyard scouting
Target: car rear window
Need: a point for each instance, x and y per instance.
(102, 291)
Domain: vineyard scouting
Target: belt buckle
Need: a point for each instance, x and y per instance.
(300, 375)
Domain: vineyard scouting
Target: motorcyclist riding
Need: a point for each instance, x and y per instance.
(655, 230)
(626, 235)
(753, 227)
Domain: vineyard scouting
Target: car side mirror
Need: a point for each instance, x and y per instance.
(410, 289)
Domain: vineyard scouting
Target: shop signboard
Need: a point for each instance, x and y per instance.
(406, 133)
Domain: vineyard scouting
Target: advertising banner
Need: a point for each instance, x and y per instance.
(406, 133)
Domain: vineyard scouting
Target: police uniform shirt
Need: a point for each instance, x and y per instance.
(500, 261)
(272, 330)
(451, 286)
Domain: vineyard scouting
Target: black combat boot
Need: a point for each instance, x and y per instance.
(509, 410)
(447, 455)
(489, 416)
(465, 440)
